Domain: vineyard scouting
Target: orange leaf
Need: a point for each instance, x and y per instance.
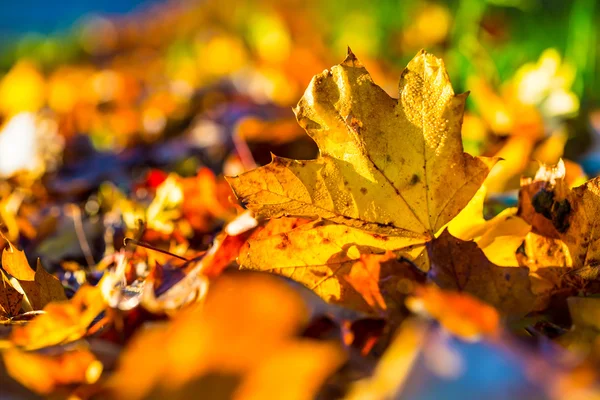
(459, 313)
(44, 373)
(244, 332)
(62, 322)
(15, 263)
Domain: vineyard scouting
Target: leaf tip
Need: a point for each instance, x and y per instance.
(351, 59)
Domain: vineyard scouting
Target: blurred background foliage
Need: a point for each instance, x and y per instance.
(135, 71)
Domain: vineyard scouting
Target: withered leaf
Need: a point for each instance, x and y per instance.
(219, 347)
(460, 313)
(569, 215)
(39, 286)
(44, 289)
(15, 263)
(10, 298)
(62, 322)
(462, 266)
(499, 237)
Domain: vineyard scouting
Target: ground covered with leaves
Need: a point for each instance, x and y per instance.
(156, 243)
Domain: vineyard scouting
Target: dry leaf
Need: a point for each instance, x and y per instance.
(391, 172)
(219, 347)
(499, 237)
(45, 373)
(462, 266)
(324, 268)
(570, 215)
(62, 321)
(15, 263)
(39, 287)
(10, 298)
(459, 313)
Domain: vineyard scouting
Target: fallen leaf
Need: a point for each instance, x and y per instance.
(10, 298)
(62, 322)
(395, 168)
(461, 314)
(462, 266)
(44, 289)
(549, 263)
(219, 348)
(499, 237)
(39, 287)
(569, 215)
(391, 172)
(331, 259)
(15, 263)
(46, 372)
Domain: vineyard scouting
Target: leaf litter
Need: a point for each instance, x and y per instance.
(367, 272)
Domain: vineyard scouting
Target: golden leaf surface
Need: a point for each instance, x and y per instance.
(389, 166)
(391, 173)
(499, 237)
(334, 268)
(15, 263)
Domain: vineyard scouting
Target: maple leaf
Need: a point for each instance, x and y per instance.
(462, 266)
(391, 172)
(499, 237)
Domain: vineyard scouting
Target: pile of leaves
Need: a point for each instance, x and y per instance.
(367, 272)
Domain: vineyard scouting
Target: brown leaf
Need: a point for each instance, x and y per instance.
(570, 215)
(10, 298)
(47, 288)
(39, 287)
(462, 266)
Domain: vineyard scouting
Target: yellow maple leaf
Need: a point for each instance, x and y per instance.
(391, 173)
(499, 237)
